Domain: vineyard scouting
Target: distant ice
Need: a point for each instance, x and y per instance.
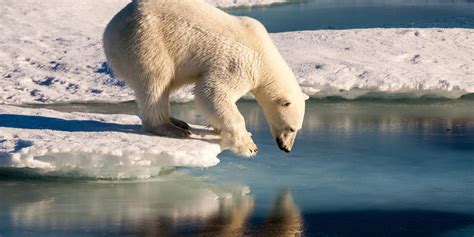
(239, 3)
(396, 62)
(96, 145)
(54, 54)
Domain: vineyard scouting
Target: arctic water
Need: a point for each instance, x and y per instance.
(349, 14)
(359, 168)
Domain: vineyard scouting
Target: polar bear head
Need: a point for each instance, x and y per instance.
(286, 119)
(284, 115)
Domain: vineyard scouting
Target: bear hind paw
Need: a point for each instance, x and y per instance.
(169, 130)
(180, 123)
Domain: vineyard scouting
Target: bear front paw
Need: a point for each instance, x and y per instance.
(240, 145)
(246, 150)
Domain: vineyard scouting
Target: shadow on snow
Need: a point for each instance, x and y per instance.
(41, 122)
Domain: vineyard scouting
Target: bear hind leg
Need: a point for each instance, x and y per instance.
(155, 113)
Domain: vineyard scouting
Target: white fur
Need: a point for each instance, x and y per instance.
(157, 46)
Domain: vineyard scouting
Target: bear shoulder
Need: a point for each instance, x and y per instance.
(252, 25)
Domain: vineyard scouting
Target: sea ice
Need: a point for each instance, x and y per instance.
(97, 145)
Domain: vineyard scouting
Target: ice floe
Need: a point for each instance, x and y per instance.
(96, 145)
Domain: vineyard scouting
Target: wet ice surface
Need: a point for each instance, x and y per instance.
(358, 169)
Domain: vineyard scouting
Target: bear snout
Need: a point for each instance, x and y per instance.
(282, 146)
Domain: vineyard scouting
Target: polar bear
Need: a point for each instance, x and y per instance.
(158, 46)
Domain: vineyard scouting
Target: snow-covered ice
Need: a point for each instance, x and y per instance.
(97, 145)
(412, 62)
(51, 51)
(54, 54)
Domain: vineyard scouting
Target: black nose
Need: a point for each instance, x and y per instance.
(281, 146)
(285, 149)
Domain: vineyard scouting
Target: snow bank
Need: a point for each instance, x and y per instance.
(407, 62)
(54, 54)
(52, 51)
(97, 145)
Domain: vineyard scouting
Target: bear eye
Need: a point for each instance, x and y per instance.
(283, 102)
(290, 129)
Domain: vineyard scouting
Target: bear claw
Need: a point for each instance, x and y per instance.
(179, 123)
(245, 151)
(170, 130)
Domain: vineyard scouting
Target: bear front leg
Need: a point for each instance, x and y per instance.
(222, 113)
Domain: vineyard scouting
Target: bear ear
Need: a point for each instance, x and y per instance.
(305, 96)
(283, 102)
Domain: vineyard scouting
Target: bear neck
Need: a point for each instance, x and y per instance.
(276, 81)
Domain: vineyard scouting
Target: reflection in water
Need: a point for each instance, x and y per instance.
(426, 116)
(284, 219)
(440, 123)
(230, 219)
(359, 168)
(384, 117)
(175, 206)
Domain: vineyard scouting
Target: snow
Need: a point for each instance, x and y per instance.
(51, 51)
(96, 145)
(411, 62)
(54, 54)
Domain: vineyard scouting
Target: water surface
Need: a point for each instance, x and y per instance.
(349, 14)
(360, 168)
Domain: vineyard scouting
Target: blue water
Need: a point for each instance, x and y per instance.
(349, 14)
(360, 168)
(369, 168)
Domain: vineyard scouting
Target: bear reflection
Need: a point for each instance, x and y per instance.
(231, 219)
(175, 205)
